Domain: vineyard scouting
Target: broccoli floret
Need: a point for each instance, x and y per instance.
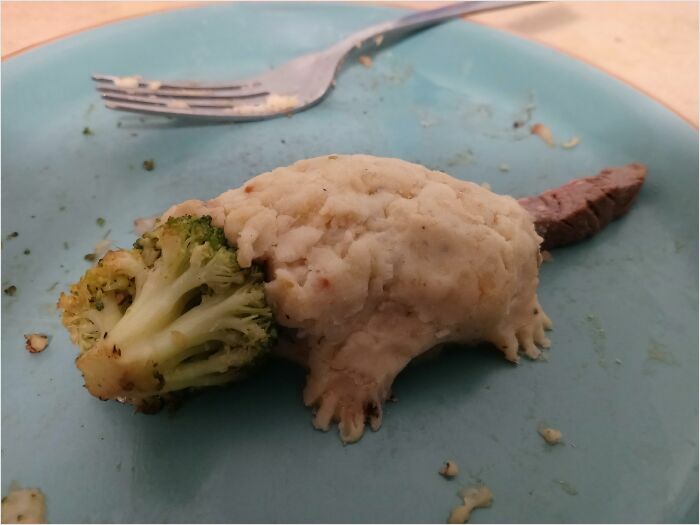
(173, 313)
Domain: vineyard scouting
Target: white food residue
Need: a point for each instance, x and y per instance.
(504, 167)
(24, 506)
(544, 133)
(551, 435)
(178, 104)
(36, 343)
(571, 143)
(449, 469)
(474, 498)
(127, 82)
(272, 104)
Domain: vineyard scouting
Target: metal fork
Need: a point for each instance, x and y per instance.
(293, 86)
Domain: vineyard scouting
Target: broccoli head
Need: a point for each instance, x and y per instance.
(173, 313)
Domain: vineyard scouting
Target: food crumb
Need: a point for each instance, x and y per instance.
(571, 143)
(618, 361)
(90, 257)
(101, 222)
(65, 245)
(24, 506)
(551, 435)
(474, 498)
(36, 342)
(365, 60)
(504, 167)
(87, 131)
(149, 164)
(52, 287)
(13, 235)
(544, 133)
(449, 469)
(27, 252)
(10, 290)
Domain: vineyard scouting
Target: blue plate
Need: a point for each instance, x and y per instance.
(621, 381)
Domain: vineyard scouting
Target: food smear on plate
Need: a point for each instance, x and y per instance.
(474, 498)
(368, 262)
(24, 506)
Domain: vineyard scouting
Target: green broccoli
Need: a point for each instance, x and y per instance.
(173, 313)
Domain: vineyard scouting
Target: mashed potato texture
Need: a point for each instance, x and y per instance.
(373, 261)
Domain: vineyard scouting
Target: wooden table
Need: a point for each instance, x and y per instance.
(651, 45)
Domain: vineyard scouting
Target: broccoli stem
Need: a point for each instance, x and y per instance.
(217, 364)
(169, 346)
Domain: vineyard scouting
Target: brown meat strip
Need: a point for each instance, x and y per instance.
(581, 208)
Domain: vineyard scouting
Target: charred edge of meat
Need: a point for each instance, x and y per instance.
(581, 208)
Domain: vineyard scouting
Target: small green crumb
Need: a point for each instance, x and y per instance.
(87, 131)
(149, 165)
(10, 290)
(27, 252)
(100, 222)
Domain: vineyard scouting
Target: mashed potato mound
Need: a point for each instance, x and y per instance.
(373, 261)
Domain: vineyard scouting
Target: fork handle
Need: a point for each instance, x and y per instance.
(418, 20)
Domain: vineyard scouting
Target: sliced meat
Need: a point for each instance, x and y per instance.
(581, 208)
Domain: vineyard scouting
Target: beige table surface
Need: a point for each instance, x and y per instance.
(651, 45)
